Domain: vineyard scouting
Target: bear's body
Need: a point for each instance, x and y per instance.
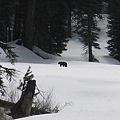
(64, 64)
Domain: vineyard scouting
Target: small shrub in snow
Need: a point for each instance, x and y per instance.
(46, 105)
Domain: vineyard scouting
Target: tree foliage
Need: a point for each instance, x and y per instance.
(50, 26)
(40, 23)
(114, 28)
(47, 24)
(5, 72)
(86, 13)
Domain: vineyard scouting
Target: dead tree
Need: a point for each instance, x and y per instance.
(23, 107)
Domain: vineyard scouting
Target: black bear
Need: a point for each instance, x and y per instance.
(64, 64)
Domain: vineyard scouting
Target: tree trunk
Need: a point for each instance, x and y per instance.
(8, 34)
(23, 106)
(69, 18)
(29, 27)
(89, 36)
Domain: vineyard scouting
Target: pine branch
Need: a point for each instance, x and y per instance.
(8, 51)
(7, 73)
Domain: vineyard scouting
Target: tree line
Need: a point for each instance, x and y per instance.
(47, 24)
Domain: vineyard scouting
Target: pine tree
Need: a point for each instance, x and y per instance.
(114, 29)
(5, 72)
(7, 13)
(50, 26)
(19, 20)
(87, 12)
(69, 27)
(29, 25)
(4, 19)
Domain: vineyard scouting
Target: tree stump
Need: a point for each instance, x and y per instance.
(23, 107)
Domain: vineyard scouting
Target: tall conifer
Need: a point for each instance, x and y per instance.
(50, 26)
(114, 29)
(87, 11)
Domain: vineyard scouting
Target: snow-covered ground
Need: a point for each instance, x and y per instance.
(84, 91)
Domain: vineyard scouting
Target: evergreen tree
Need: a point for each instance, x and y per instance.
(4, 19)
(114, 29)
(50, 26)
(7, 19)
(20, 20)
(29, 24)
(5, 72)
(86, 13)
(69, 27)
(40, 23)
